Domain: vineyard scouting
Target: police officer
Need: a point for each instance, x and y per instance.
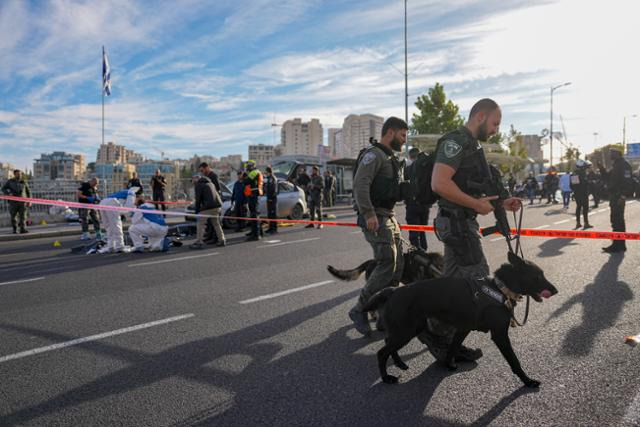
(87, 193)
(416, 213)
(376, 190)
(158, 188)
(17, 187)
(205, 170)
(314, 196)
(253, 190)
(271, 192)
(580, 188)
(134, 181)
(460, 161)
(620, 184)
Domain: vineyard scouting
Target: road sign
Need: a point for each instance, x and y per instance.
(633, 150)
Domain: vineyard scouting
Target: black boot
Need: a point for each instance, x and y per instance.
(15, 230)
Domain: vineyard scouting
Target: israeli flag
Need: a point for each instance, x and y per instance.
(106, 74)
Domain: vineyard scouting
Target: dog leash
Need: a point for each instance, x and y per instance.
(511, 298)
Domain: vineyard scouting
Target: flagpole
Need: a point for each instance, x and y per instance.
(102, 94)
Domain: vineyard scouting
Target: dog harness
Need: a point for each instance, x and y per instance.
(489, 292)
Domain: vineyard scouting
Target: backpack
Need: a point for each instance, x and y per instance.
(628, 184)
(420, 173)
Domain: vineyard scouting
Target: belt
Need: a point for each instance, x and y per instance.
(458, 213)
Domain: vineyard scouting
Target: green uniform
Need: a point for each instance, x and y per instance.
(456, 225)
(17, 210)
(375, 192)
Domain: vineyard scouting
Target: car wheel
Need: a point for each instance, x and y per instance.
(296, 212)
(226, 222)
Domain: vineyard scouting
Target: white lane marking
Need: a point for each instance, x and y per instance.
(496, 239)
(286, 243)
(288, 291)
(93, 338)
(272, 241)
(562, 222)
(21, 281)
(172, 259)
(541, 227)
(355, 232)
(632, 201)
(602, 210)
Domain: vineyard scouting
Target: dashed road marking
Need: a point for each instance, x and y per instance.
(496, 239)
(288, 291)
(21, 281)
(292, 241)
(541, 227)
(602, 210)
(272, 241)
(173, 259)
(562, 222)
(93, 338)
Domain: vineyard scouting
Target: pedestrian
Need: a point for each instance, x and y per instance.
(459, 161)
(550, 185)
(580, 188)
(149, 225)
(620, 184)
(253, 190)
(315, 190)
(329, 188)
(302, 181)
(158, 189)
(134, 181)
(416, 212)
(375, 187)
(239, 200)
(112, 220)
(207, 202)
(271, 192)
(88, 193)
(531, 186)
(595, 186)
(334, 188)
(17, 187)
(565, 188)
(210, 236)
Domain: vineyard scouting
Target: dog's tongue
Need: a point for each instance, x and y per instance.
(546, 293)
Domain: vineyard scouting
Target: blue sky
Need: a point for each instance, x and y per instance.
(208, 77)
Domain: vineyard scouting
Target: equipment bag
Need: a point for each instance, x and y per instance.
(420, 178)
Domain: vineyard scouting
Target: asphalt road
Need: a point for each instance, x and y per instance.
(258, 334)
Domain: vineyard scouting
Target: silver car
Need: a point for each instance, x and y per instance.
(291, 204)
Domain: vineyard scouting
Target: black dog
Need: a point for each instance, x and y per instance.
(467, 305)
(418, 265)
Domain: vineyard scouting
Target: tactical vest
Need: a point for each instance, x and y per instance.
(385, 191)
(473, 167)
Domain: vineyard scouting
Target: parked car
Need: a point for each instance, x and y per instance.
(291, 204)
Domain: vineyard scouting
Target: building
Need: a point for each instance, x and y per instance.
(133, 157)
(232, 159)
(111, 153)
(299, 137)
(533, 145)
(6, 171)
(113, 176)
(59, 165)
(261, 154)
(331, 140)
(356, 132)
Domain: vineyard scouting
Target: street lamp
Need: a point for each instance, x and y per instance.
(553, 88)
(624, 133)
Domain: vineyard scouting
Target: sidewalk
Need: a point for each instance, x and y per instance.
(73, 228)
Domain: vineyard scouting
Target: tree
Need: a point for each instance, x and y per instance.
(517, 148)
(437, 114)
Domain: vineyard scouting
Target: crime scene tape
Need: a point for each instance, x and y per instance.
(562, 234)
(177, 202)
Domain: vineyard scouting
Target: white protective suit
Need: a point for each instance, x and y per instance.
(151, 225)
(111, 219)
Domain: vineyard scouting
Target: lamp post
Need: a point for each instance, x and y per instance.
(624, 133)
(553, 88)
(406, 76)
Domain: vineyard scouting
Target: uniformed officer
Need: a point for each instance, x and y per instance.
(271, 192)
(460, 161)
(17, 187)
(416, 212)
(376, 189)
(619, 180)
(580, 188)
(315, 191)
(253, 190)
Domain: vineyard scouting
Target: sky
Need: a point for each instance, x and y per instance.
(210, 77)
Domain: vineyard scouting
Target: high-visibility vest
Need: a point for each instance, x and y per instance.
(255, 188)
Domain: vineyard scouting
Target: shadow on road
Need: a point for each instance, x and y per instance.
(552, 247)
(602, 302)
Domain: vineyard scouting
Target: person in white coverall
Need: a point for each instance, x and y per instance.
(151, 225)
(111, 218)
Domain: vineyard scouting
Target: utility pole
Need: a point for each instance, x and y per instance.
(406, 75)
(553, 88)
(624, 134)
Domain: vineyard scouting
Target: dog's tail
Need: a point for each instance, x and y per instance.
(349, 275)
(378, 300)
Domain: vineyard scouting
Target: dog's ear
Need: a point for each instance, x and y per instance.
(514, 259)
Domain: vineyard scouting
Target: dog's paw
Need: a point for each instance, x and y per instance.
(390, 379)
(401, 365)
(531, 383)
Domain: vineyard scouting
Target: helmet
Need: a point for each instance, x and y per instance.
(250, 165)
(582, 163)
